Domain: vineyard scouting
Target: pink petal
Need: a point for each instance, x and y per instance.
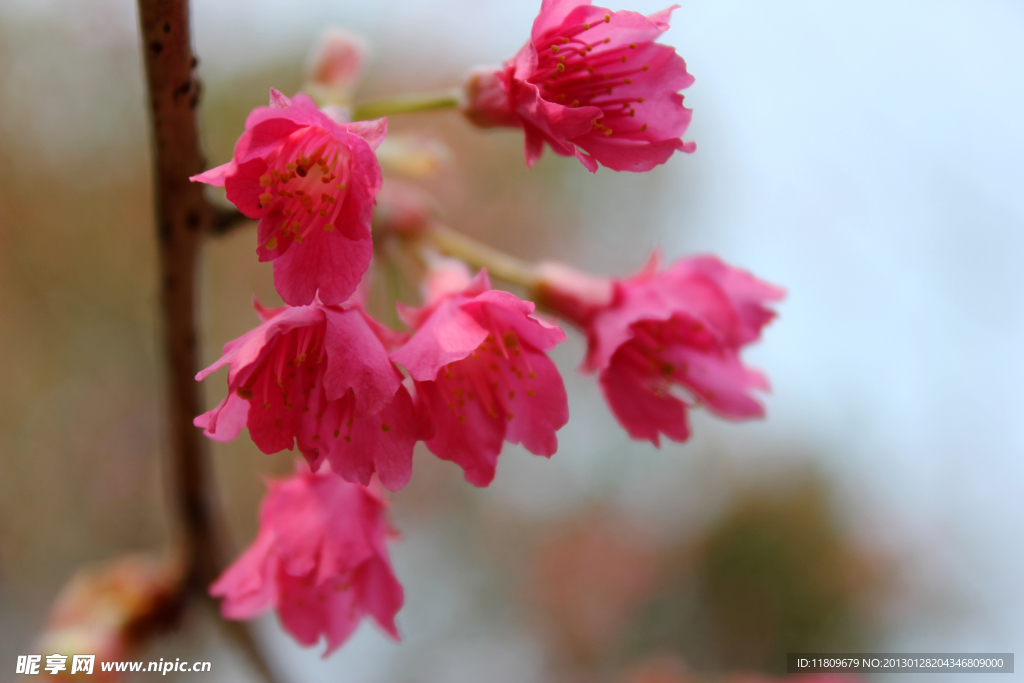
(357, 360)
(472, 443)
(379, 593)
(331, 265)
(642, 412)
(448, 335)
(539, 406)
(371, 131)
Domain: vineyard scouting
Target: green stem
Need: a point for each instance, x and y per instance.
(479, 255)
(407, 104)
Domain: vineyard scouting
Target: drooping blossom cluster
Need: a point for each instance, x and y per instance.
(320, 377)
(478, 359)
(319, 559)
(472, 370)
(680, 328)
(592, 83)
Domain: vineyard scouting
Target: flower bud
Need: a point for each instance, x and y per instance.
(486, 103)
(335, 65)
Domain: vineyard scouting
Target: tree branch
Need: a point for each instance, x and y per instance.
(183, 218)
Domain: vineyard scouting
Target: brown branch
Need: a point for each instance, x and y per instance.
(183, 218)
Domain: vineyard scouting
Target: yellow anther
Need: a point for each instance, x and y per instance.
(608, 132)
(607, 40)
(385, 428)
(645, 67)
(266, 198)
(632, 112)
(340, 186)
(627, 81)
(643, 128)
(337, 433)
(290, 167)
(328, 227)
(323, 213)
(272, 243)
(265, 180)
(348, 439)
(623, 59)
(632, 46)
(575, 103)
(561, 67)
(554, 48)
(244, 392)
(640, 100)
(586, 27)
(607, 19)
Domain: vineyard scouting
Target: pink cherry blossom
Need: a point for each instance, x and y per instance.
(478, 358)
(311, 181)
(319, 559)
(591, 83)
(320, 376)
(664, 340)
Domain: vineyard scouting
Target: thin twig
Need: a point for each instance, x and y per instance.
(183, 218)
(227, 220)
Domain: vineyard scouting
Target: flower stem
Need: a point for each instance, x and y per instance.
(407, 104)
(479, 255)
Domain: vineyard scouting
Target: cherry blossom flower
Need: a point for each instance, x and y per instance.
(591, 83)
(664, 340)
(320, 376)
(478, 358)
(311, 181)
(319, 559)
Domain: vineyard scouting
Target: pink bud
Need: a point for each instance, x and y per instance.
(336, 64)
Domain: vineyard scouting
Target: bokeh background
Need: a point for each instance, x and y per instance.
(866, 156)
